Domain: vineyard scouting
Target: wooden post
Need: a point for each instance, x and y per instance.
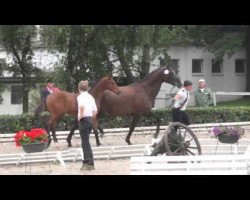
(214, 98)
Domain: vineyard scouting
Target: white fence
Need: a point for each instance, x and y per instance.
(191, 165)
(197, 128)
(229, 94)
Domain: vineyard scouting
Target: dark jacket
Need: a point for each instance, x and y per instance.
(44, 93)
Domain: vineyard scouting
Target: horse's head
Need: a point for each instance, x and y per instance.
(169, 76)
(108, 83)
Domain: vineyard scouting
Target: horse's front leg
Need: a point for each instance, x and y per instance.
(157, 127)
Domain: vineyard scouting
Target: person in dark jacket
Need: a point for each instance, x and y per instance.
(48, 89)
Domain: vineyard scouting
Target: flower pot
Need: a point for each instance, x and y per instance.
(34, 147)
(230, 139)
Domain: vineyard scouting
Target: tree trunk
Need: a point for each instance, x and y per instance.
(71, 62)
(145, 63)
(248, 59)
(25, 95)
(125, 66)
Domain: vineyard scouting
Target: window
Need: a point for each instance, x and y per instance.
(175, 65)
(16, 94)
(197, 66)
(240, 66)
(2, 61)
(217, 67)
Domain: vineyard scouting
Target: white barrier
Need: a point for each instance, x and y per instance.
(197, 128)
(73, 155)
(229, 94)
(191, 165)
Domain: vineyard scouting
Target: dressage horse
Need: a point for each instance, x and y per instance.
(137, 99)
(60, 103)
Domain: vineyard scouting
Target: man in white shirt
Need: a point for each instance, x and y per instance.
(86, 111)
(181, 101)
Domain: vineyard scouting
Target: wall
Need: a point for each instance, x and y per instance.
(6, 108)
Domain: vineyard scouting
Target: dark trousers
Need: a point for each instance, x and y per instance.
(85, 127)
(180, 116)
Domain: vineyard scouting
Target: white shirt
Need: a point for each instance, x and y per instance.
(202, 89)
(88, 102)
(178, 103)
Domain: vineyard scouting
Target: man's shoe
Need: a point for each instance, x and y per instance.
(87, 167)
(90, 167)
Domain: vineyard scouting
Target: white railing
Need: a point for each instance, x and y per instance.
(229, 94)
(197, 128)
(191, 165)
(209, 147)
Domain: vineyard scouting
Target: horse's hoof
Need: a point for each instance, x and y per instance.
(99, 144)
(69, 145)
(129, 143)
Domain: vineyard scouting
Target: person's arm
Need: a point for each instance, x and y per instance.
(196, 98)
(177, 96)
(211, 99)
(94, 108)
(80, 109)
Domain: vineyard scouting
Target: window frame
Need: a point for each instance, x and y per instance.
(221, 66)
(178, 64)
(244, 66)
(197, 73)
(11, 95)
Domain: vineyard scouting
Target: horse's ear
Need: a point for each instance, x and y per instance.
(110, 76)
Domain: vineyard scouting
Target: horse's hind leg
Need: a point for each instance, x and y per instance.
(71, 134)
(53, 130)
(135, 120)
(95, 127)
(101, 131)
(96, 137)
(47, 127)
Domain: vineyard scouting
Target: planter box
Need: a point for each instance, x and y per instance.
(35, 147)
(230, 139)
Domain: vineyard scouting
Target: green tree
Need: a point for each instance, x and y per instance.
(136, 46)
(18, 41)
(81, 52)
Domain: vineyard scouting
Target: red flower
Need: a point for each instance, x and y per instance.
(33, 136)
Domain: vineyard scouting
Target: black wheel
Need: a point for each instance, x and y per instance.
(178, 139)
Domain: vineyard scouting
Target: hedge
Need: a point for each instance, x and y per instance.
(12, 123)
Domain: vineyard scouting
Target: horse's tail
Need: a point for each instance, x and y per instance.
(41, 107)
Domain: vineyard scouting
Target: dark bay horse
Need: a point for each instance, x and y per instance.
(137, 99)
(60, 103)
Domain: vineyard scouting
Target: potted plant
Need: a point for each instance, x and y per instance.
(32, 141)
(227, 134)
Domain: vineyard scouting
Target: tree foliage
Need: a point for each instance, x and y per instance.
(18, 41)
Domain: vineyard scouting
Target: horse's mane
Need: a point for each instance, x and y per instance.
(148, 76)
(95, 83)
